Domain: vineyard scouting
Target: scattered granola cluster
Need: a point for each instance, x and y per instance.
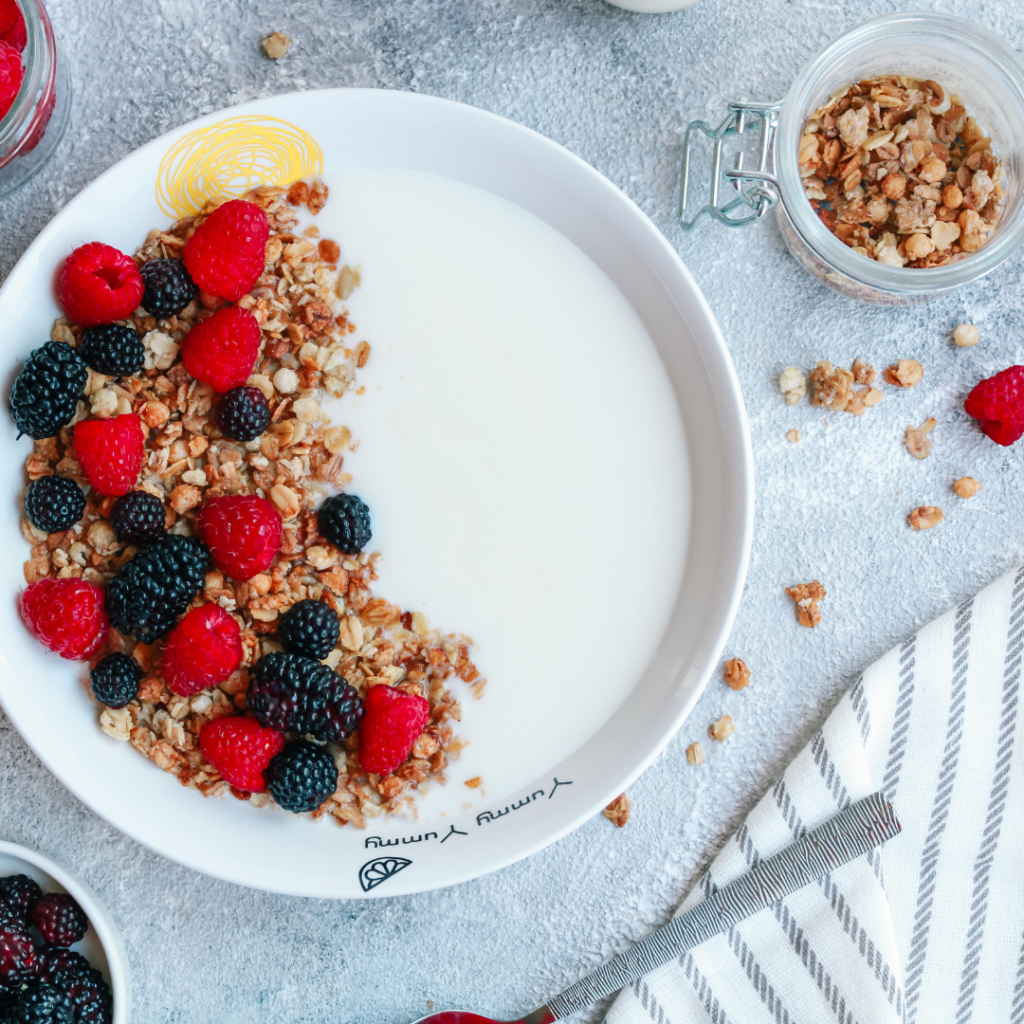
(807, 596)
(305, 345)
(617, 812)
(899, 171)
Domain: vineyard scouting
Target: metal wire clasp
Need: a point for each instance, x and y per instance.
(757, 190)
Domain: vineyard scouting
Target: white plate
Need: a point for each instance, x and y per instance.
(102, 945)
(374, 129)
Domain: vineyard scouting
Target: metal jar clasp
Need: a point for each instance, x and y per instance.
(756, 190)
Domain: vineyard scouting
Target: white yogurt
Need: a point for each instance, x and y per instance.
(523, 458)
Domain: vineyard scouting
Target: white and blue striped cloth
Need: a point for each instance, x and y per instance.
(931, 928)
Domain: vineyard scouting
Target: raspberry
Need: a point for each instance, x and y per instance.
(19, 893)
(344, 520)
(243, 533)
(243, 414)
(98, 284)
(998, 405)
(111, 452)
(228, 251)
(138, 517)
(12, 71)
(12, 25)
(240, 749)
(42, 1004)
(113, 349)
(16, 955)
(392, 723)
(60, 920)
(222, 349)
(169, 288)
(202, 650)
(115, 680)
(301, 777)
(65, 615)
(309, 627)
(46, 392)
(155, 586)
(293, 693)
(72, 973)
(54, 504)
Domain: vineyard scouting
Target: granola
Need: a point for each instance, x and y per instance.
(617, 812)
(807, 596)
(307, 347)
(899, 171)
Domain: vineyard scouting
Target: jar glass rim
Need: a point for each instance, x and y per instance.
(804, 95)
(35, 64)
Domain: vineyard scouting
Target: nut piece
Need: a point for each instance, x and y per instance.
(276, 45)
(832, 386)
(793, 435)
(474, 783)
(617, 812)
(918, 443)
(905, 374)
(737, 675)
(722, 729)
(864, 372)
(966, 335)
(793, 385)
(966, 487)
(695, 753)
(925, 517)
(807, 596)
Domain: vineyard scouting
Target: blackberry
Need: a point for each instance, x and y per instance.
(155, 586)
(17, 954)
(19, 892)
(293, 693)
(115, 680)
(169, 287)
(301, 777)
(344, 520)
(309, 627)
(54, 504)
(90, 994)
(243, 414)
(42, 1004)
(46, 392)
(113, 349)
(138, 517)
(59, 919)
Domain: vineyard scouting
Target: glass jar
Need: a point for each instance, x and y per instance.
(986, 74)
(35, 123)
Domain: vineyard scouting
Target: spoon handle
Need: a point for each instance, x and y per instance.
(853, 832)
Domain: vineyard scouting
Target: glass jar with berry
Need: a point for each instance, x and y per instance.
(35, 91)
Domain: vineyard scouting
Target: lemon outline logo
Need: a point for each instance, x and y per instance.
(231, 157)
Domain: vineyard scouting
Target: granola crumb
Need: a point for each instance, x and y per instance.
(807, 596)
(474, 783)
(918, 442)
(966, 335)
(966, 487)
(617, 812)
(793, 385)
(276, 45)
(907, 373)
(925, 517)
(793, 436)
(737, 675)
(863, 372)
(695, 753)
(832, 386)
(722, 729)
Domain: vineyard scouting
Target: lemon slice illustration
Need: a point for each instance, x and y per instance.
(373, 872)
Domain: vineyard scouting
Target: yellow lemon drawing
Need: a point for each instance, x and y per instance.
(231, 157)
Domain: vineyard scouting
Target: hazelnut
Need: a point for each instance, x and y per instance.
(966, 335)
(952, 197)
(966, 487)
(925, 517)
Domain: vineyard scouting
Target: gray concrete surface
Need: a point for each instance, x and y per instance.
(615, 88)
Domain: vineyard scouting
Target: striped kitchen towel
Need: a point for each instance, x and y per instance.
(929, 929)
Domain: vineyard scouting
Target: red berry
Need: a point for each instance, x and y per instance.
(240, 748)
(998, 405)
(243, 533)
(60, 920)
(65, 615)
(98, 284)
(222, 349)
(111, 452)
(12, 25)
(392, 721)
(12, 71)
(203, 650)
(228, 251)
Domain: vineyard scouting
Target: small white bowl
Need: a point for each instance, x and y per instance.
(102, 945)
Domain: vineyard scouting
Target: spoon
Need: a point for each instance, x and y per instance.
(853, 832)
